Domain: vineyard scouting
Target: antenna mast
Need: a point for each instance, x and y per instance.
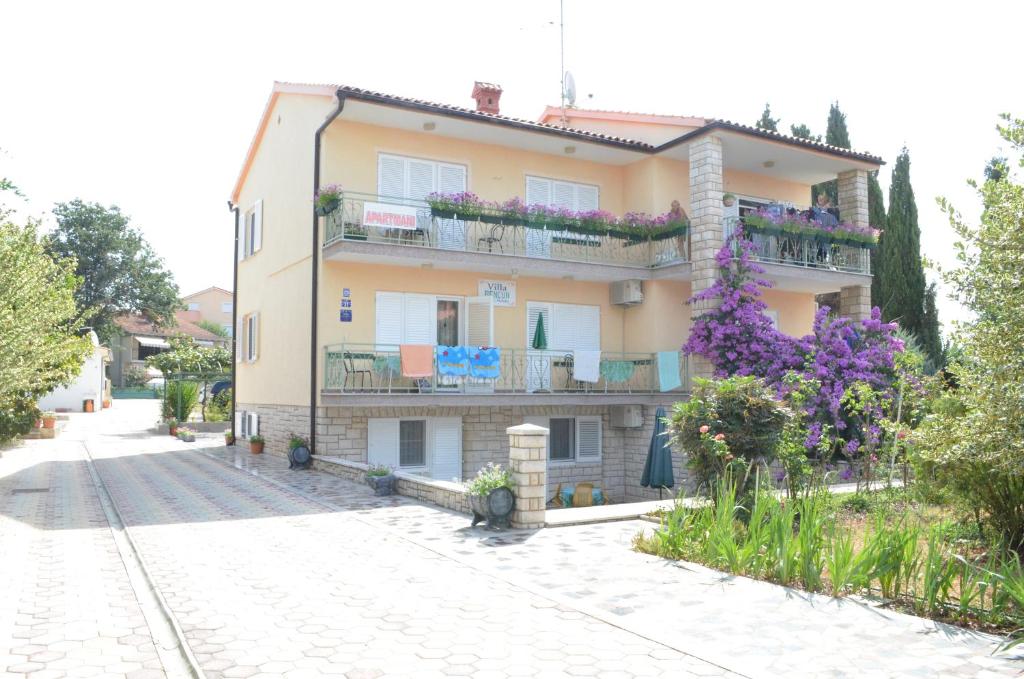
(561, 30)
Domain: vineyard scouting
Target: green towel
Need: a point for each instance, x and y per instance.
(617, 371)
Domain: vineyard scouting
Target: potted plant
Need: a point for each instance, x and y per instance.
(327, 199)
(49, 420)
(229, 438)
(728, 200)
(491, 497)
(256, 444)
(185, 434)
(355, 232)
(172, 427)
(381, 478)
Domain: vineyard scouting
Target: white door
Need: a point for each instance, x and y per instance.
(451, 233)
(480, 333)
(446, 440)
(538, 242)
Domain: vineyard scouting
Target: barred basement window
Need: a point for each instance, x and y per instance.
(412, 443)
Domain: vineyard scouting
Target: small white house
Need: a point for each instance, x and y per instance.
(88, 384)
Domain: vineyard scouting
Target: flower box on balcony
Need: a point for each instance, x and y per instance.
(328, 207)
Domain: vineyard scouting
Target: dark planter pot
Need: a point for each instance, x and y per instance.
(495, 507)
(355, 236)
(382, 485)
(327, 209)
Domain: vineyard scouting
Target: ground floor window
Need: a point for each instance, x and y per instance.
(424, 445)
(572, 439)
(412, 443)
(562, 444)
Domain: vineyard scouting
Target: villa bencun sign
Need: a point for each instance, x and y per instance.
(389, 216)
(502, 292)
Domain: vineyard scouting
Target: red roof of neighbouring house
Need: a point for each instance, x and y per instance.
(137, 324)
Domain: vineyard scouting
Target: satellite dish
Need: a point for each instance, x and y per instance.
(570, 89)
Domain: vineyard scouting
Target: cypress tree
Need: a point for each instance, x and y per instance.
(835, 135)
(931, 338)
(876, 218)
(901, 283)
(801, 131)
(767, 122)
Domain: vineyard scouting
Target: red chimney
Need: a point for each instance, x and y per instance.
(487, 96)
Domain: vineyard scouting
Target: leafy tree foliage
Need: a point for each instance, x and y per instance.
(766, 121)
(187, 357)
(120, 272)
(214, 328)
(977, 450)
(996, 169)
(801, 131)
(40, 344)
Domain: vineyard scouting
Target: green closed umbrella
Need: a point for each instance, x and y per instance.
(658, 467)
(540, 339)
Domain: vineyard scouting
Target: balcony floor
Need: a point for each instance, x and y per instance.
(360, 399)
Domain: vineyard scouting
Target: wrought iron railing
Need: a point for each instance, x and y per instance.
(374, 368)
(802, 251)
(348, 223)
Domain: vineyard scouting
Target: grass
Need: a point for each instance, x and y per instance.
(917, 556)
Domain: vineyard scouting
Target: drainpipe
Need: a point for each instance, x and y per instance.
(234, 324)
(315, 296)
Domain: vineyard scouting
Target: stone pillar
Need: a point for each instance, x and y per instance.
(527, 453)
(854, 300)
(706, 232)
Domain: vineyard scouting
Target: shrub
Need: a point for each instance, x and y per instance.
(296, 441)
(219, 407)
(256, 438)
(740, 409)
(135, 376)
(180, 399)
(377, 469)
(18, 420)
(489, 478)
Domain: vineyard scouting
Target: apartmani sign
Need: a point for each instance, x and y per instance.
(389, 216)
(502, 292)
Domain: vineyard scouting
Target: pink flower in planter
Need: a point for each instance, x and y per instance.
(704, 429)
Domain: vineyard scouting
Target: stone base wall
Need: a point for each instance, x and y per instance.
(441, 493)
(278, 423)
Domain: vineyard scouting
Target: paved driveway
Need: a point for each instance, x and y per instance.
(296, 574)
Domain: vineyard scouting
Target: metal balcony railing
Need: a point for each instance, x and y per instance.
(489, 235)
(376, 369)
(806, 252)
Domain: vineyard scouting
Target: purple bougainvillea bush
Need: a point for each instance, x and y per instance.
(738, 338)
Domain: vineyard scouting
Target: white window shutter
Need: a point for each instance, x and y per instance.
(563, 194)
(588, 439)
(535, 310)
(389, 320)
(588, 335)
(391, 176)
(446, 443)
(257, 228)
(587, 197)
(480, 321)
(422, 179)
(538, 191)
(451, 178)
(253, 428)
(382, 441)
(565, 328)
(420, 319)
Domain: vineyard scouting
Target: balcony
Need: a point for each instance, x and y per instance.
(368, 374)
(802, 250)
(364, 220)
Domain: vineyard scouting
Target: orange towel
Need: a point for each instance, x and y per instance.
(417, 360)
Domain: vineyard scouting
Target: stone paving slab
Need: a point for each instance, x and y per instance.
(751, 627)
(67, 607)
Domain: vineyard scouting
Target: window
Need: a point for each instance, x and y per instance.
(570, 195)
(572, 439)
(402, 177)
(562, 434)
(773, 314)
(568, 327)
(250, 237)
(410, 318)
(193, 306)
(250, 337)
(146, 351)
(226, 307)
(412, 443)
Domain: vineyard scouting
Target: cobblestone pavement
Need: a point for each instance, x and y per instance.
(302, 574)
(67, 607)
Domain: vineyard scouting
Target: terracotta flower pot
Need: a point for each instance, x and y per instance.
(172, 429)
(229, 440)
(49, 422)
(88, 405)
(106, 403)
(256, 447)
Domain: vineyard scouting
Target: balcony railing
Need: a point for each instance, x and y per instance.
(376, 369)
(800, 251)
(349, 223)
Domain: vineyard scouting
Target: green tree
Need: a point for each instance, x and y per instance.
(40, 343)
(836, 134)
(767, 122)
(931, 335)
(977, 450)
(215, 328)
(185, 356)
(801, 131)
(120, 272)
(876, 218)
(996, 168)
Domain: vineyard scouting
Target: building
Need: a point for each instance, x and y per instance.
(140, 338)
(320, 338)
(89, 384)
(213, 305)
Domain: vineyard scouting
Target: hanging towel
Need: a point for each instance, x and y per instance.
(417, 360)
(484, 362)
(452, 361)
(586, 366)
(617, 372)
(668, 370)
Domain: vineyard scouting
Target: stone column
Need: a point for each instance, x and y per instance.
(527, 453)
(706, 232)
(854, 300)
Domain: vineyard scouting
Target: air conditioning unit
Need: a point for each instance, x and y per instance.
(627, 417)
(627, 293)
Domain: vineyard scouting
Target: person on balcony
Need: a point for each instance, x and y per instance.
(823, 212)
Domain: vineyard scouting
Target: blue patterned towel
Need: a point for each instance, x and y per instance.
(484, 362)
(452, 361)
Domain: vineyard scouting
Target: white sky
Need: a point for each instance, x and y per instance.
(153, 109)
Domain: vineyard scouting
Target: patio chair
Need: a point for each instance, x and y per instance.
(571, 383)
(492, 239)
(584, 495)
(352, 372)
